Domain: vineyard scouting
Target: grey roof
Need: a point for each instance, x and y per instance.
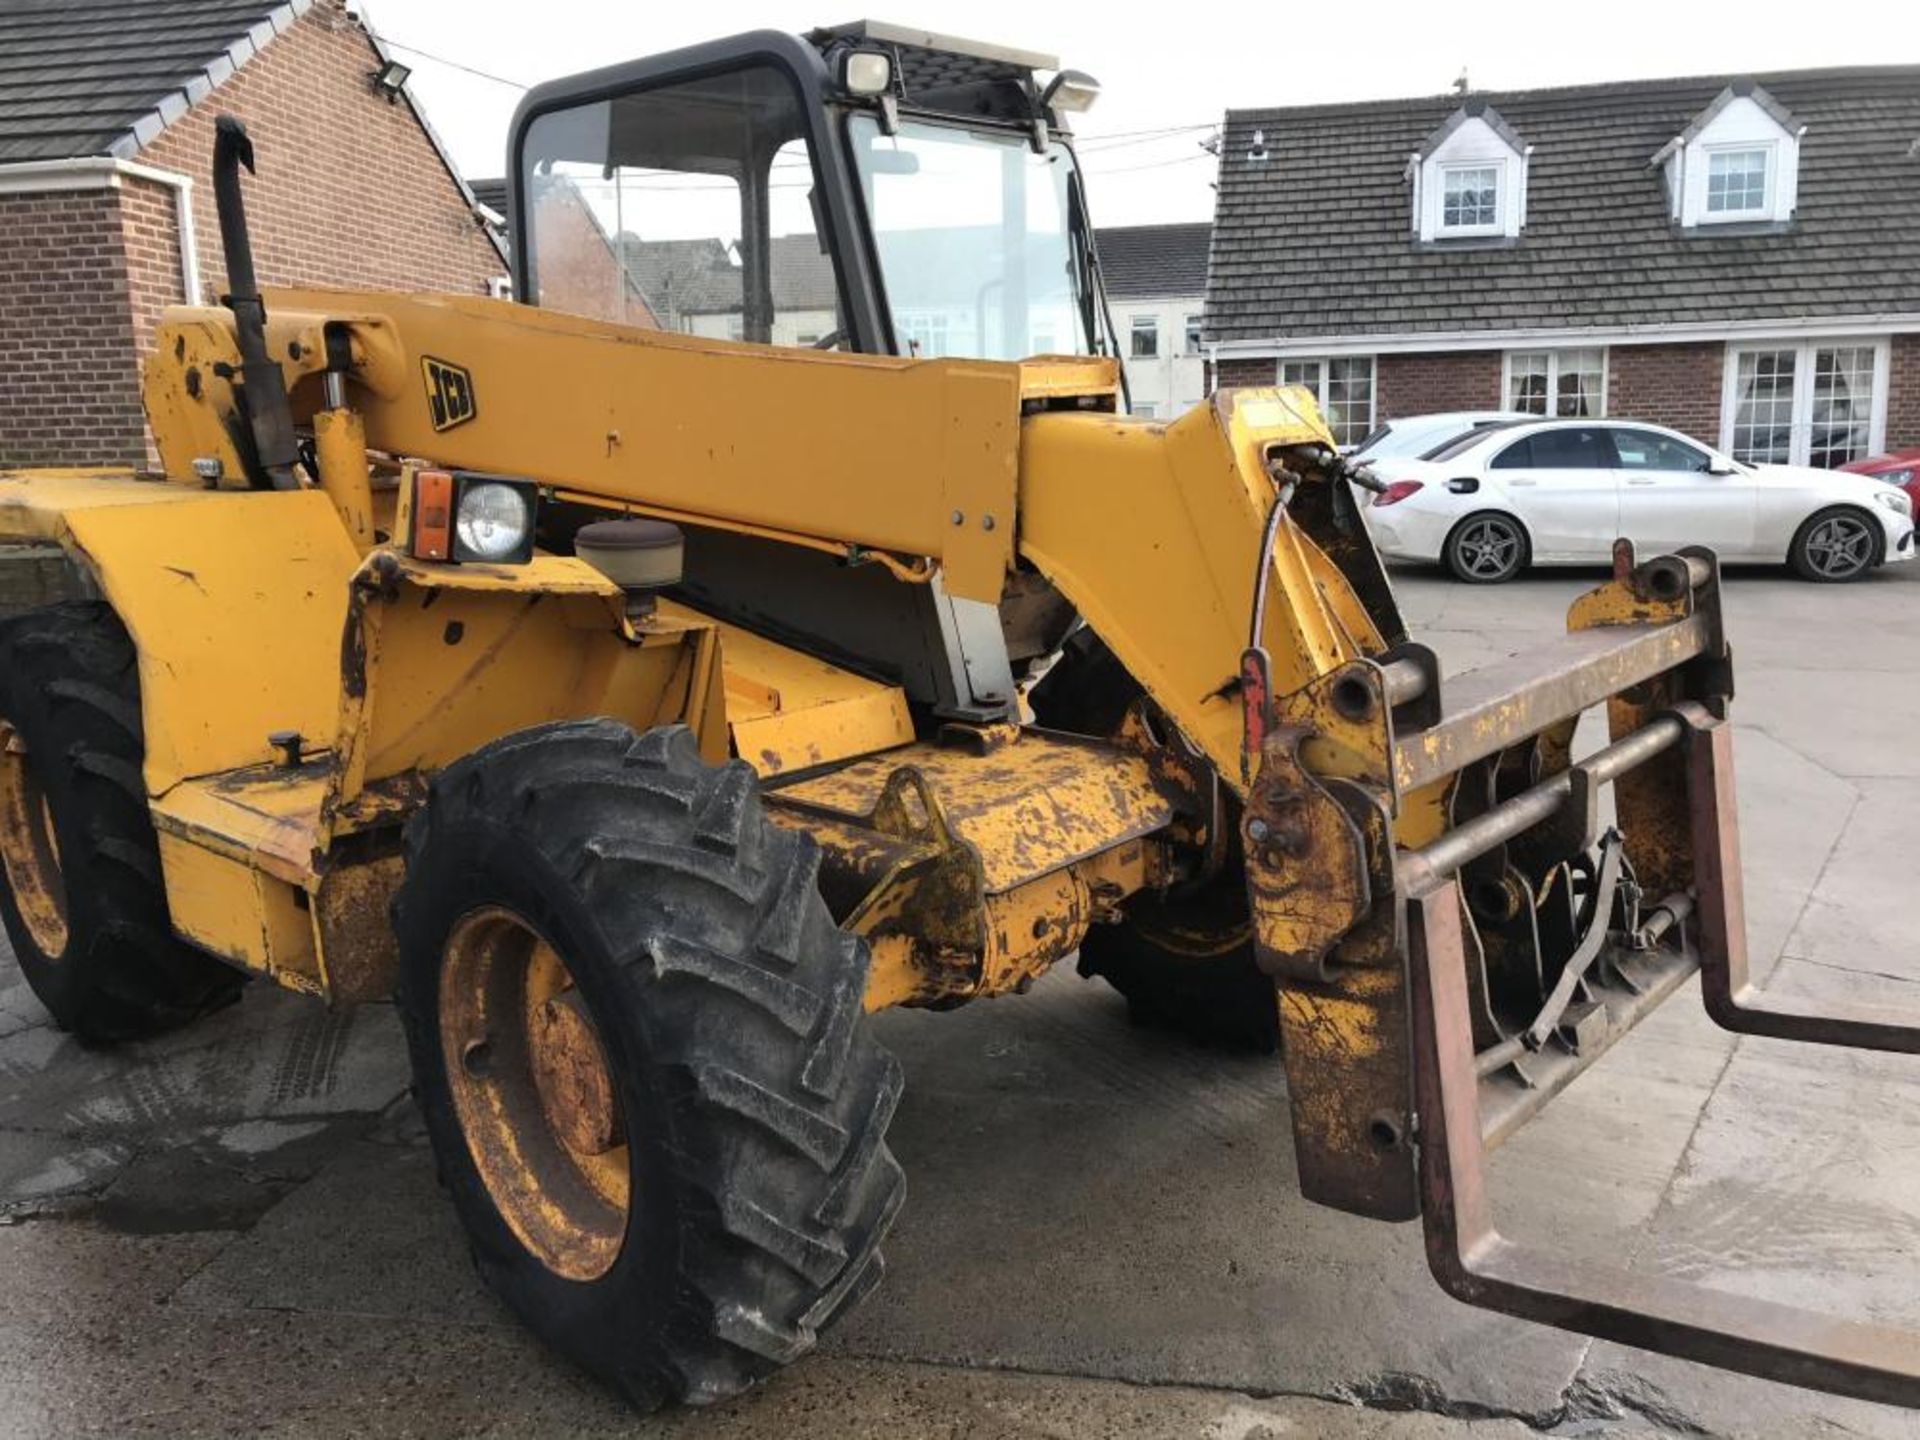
(1139, 261)
(698, 277)
(103, 77)
(1316, 239)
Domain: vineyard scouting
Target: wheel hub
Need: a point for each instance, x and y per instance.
(1839, 546)
(29, 848)
(570, 1072)
(534, 1093)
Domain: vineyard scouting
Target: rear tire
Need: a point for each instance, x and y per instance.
(1220, 998)
(1835, 546)
(85, 904)
(1489, 547)
(751, 1098)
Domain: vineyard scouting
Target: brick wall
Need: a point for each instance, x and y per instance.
(1229, 373)
(69, 389)
(1429, 384)
(350, 192)
(1673, 385)
(1903, 394)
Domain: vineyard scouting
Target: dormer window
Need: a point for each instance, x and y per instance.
(1738, 162)
(1469, 179)
(1737, 182)
(1470, 200)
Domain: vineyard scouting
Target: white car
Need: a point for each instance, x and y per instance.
(1411, 436)
(1559, 492)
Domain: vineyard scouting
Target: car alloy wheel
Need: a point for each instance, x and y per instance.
(1839, 547)
(1487, 547)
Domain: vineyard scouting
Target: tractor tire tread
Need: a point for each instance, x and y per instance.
(69, 678)
(729, 968)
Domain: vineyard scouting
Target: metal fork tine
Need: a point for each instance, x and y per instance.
(1473, 1262)
(1725, 984)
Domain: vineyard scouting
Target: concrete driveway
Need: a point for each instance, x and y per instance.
(237, 1231)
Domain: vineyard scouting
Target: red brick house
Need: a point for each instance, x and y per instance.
(106, 204)
(1732, 256)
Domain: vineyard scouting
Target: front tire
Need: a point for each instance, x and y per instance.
(639, 1046)
(1183, 967)
(85, 904)
(1487, 548)
(1835, 546)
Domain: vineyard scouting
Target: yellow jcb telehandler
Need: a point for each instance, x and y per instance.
(775, 617)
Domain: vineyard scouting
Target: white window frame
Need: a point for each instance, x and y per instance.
(1770, 150)
(1323, 374)
(1554, 355)
(1495, 226)
(1150, 324)
(1800, 446)
(1193, 326)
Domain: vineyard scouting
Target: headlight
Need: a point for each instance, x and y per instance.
(492, 522)
(1896, 477)
(1896, 501)
(479, 519)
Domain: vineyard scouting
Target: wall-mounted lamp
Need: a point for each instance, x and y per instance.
(391, 78)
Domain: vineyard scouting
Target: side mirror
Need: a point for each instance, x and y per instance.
(1720, 465)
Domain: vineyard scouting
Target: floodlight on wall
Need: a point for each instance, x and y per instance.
(391, 78)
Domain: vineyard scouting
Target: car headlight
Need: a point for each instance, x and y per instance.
(1896, 501)
(1897, 477)
(466, 517)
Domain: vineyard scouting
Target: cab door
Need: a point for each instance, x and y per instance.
(1672, 494)
(1562, 482)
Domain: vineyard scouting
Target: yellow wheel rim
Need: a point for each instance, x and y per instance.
(29, 849)
(534, 1093)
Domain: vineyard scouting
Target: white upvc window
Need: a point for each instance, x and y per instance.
(924, 333)
(1566, 383)
(1470, 200)
(1342, 387)
(1196, 325)
(1739, 182)
(1815, 402)
(1146, 337)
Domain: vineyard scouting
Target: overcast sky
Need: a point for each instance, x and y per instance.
(1162, 66)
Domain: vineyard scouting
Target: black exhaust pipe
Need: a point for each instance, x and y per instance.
(262, 391)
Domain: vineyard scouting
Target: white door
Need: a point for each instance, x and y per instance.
(1669, 496)
(1563, 484)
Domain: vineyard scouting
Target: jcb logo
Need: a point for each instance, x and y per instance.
(449, 393)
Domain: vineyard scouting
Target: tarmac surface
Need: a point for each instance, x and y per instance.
(236, 1230)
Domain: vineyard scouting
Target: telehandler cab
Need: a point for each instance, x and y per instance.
(774, 618)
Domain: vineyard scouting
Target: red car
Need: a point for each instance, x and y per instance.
(1901, 468)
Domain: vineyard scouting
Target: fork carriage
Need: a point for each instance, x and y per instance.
(1530, 935)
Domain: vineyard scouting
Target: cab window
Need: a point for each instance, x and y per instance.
(688, 206)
